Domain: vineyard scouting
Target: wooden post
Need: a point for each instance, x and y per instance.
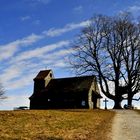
(105, 103)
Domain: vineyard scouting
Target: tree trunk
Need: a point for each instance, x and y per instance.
(130, 96)
(117, 104)
(118, 95)
(130, 99)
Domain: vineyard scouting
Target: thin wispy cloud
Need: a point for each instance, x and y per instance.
(37, 22)
(45, 42)
(38, 2)
(134, 8)
(78, 9)
(8, 50)
(69, 27)
(41, 51)
(19, 75)
(12, 101)
(10, 73)
(43, 1)
(25, 61)
(21, 83)
(24, 18)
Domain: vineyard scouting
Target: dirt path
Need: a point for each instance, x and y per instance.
(126, 125)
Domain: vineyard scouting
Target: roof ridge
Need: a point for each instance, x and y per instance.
(84, 76)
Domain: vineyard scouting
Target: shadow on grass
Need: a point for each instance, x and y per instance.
(54, 138)
(48, 138)
(74, 110)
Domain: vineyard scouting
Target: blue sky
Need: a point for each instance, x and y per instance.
(34, 35)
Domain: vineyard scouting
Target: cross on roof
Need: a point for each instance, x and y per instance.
(105, 103)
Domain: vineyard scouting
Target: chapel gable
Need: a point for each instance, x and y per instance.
(42, 80)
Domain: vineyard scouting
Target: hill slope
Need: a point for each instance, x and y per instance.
(55, 124)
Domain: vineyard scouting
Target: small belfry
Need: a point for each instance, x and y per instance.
(64, 93)
(42, 80)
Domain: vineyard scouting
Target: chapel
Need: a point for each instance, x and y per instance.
(64, 93)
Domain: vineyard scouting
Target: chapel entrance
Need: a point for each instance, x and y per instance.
(95, 99)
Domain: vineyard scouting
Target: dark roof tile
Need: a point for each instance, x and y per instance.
(73, 84)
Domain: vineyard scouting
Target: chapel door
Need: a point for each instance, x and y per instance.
(94, 100)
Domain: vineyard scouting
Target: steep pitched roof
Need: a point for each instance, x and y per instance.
(42, 74)
(69, 85)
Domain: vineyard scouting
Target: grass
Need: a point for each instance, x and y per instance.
(137, 110)
(55, 124)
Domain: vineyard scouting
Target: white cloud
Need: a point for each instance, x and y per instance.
(19, 75)
(14, 101)
(21, 63)
(8, 50)
(135, 8)
(58, 59)
(59, 64)
(40, 51)
(69, 27)
(29, 39)
(57, 54)
(22, 82)
(11, 72)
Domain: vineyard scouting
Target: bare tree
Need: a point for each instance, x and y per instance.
(131, 56)
(100, 51)
(95, 55)
(2, 92)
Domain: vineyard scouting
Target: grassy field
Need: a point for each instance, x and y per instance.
(138, 111)
(55, 125)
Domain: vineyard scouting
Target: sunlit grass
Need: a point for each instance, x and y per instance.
(55, 124)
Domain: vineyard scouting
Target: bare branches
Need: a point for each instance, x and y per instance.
(2, 92)
(109, 48)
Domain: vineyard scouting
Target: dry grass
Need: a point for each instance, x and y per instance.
(55, 124)
(137, 110)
